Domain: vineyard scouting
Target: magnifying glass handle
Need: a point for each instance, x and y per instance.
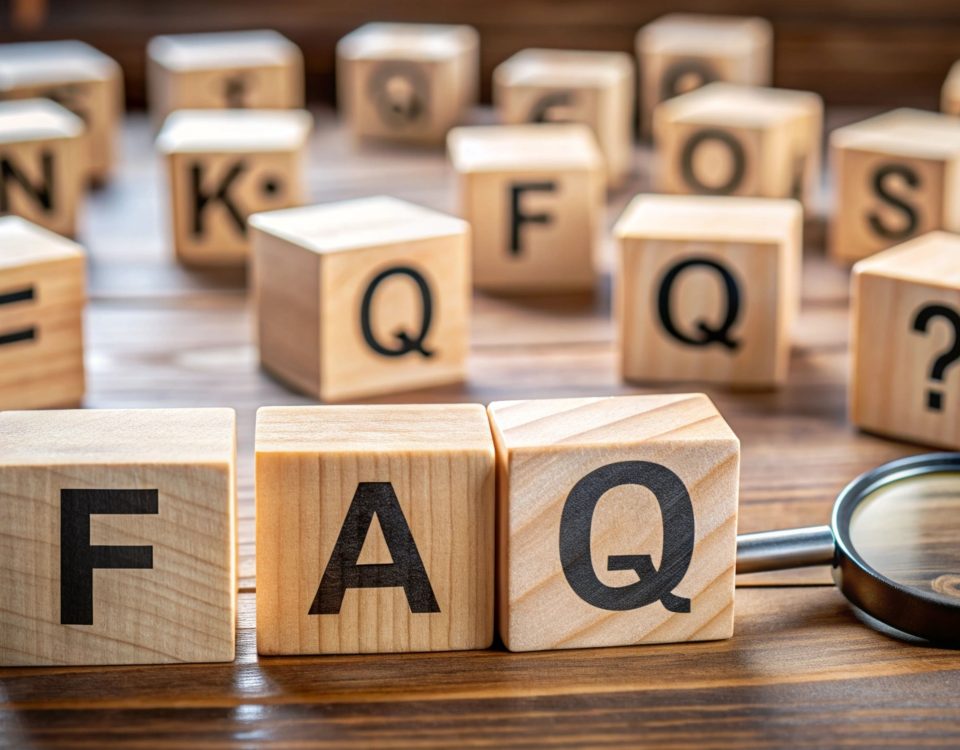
(788, 548)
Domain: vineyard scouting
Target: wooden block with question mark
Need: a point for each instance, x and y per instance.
(905, 379)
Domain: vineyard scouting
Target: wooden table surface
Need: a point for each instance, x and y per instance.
(801, 669)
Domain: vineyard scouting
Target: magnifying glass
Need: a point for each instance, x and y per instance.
(893, 542)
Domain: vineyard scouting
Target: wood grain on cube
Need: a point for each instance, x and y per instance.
(375, 529)
(117, 536)
(950, 93)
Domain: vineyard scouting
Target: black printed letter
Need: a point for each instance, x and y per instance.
(737, 156)
(407, 343)
(719, 335)
(880, 178)
(202, 200)
(518, 218)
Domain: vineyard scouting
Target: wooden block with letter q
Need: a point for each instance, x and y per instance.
(905, 379)
(708, 288)
(117, 536)
(362, 297)
(225, 165)
(406, 81)
(534, 195)
(375, 529)
(616, 521)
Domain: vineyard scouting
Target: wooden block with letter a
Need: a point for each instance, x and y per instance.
(406, 81)
(950, 93)
(42, 164)
(42, 296)
(117, 536)
(905, 379)
(896, 176)
(77, 76)
(362, 297)
(616, 521)
(375, 529)
(223, 70)
(225, 165)
(534, 195)
(594, 88)
(708, 288)
(679, 52)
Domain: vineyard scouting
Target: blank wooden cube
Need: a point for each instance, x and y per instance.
(42, 163)
(406, 81)
(118, 542)
(724, 139)
(375, 529)
(616, 521)
(708, 288)
(362, 297)
(679, 52)
(905, 379)
(534, 195)
(950, 94)
(223, 166)
(896, 176)
(223, 70)
(80, 78)
(594, 88)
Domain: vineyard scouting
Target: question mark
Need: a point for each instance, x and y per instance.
(947, 357)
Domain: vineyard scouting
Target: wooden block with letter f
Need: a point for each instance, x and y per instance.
(616, 521)
(375, 529)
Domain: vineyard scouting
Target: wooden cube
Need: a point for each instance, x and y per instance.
(534, 195)
(223, 70)
(223, 166)
(905, 380)
(896, 176)
(405, 81)
(119, 536)
(375, 529)
(679, 52)
(725, 139)
(78, 77)
(708, 288)
(616, 521)
(362, 297)
(594, 88)
(950, 94)
(42, 163)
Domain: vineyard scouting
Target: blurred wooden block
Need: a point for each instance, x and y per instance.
(78, 77)
(896, 176)
(679, 52)
(708, 289)
(407, 81)
(117, 536)
(905, 380)
(223, 70)
(375, 529)
(950, 94)
(534, 196)
(362, 297)
(42, 164)
(616, 521)
(593, 88)
(223, 166)
(725, 139)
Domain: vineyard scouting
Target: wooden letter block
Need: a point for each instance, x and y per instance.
(362, 297)
(224, 70)
(905, 380)
(534, 195)
(594, 88)
(406, 81)
(375, 529)
(708, 289)
(42, 164)
(725, 139)
(224, 166)
(682, 51)
(897, 176)
(42, 295)
(78, 77)
(950, 94)
(117, 536)
(616, 521)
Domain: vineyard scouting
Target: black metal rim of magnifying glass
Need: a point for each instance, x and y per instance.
(923, 614)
